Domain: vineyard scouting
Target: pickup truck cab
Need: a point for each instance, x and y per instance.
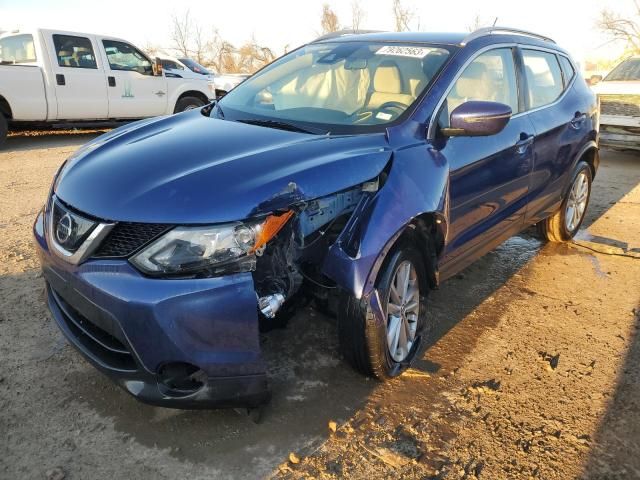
(56, 77)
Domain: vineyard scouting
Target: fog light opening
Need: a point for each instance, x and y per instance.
(180, 378)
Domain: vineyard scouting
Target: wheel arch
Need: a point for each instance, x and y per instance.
(402, 207)
(5, 108)
(192, 93)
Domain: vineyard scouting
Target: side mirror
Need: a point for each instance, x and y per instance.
(478, 119)
(157, 67)
(594, 80)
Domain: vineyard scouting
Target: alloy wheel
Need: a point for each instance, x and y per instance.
(577, 202)
(403, 309)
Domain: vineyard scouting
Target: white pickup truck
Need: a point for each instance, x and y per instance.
(50, 77)
(619, 95)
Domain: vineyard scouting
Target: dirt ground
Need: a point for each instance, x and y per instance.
(534, 372)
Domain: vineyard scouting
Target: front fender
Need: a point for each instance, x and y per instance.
(417, 183)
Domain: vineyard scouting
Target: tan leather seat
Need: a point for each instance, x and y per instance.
(387, 87)
(473, 84)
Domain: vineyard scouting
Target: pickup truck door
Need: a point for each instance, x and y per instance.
(78, 78)
(134, 91)
(489, 176)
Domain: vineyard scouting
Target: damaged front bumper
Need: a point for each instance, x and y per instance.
(620, 131)
(188, 343)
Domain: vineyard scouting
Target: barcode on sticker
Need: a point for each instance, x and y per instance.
(403, 51)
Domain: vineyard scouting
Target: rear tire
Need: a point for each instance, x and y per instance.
(4, 129)
(363, 341)
(188, 103)
(565, 223)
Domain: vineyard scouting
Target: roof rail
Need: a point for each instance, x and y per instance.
(341, 33)
(483, 32)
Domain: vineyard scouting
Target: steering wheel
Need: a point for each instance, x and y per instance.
(397, 108)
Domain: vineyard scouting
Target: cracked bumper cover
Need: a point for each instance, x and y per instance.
(128, 326)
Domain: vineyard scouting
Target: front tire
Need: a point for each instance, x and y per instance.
(4, 129)
(385, 351)
(188, 103)
(565, 223)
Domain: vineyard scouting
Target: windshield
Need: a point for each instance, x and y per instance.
(341, 87)
(627, 71)
(195, 66)
(17, 49)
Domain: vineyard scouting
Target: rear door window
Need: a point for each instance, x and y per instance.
(75, 52)
(544, 77)
(17, 49)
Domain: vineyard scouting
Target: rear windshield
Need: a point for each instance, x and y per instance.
(627, 71)
(17, 49)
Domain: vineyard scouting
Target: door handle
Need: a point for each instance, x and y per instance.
(523, 144)
(112, 81)
(60, 79)
(577, 121)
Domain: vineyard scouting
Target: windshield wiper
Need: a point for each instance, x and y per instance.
(283, 126)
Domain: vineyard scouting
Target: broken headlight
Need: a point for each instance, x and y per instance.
(218, 249)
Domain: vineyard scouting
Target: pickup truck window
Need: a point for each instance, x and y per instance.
(171, 65)
(74, 52)
(17, 49)
(123, 56)
(627, 71)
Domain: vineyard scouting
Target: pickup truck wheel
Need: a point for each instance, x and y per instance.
(188, 103)
(385, 351)
(565, 223)
(4, 128)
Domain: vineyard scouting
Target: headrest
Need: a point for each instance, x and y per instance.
(387, 78)
(474, 82)
(65, 53)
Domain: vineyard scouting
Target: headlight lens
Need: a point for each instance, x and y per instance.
(220, 249)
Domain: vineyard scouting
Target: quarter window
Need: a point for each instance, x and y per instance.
(489, 77)
(567, 70)
(123, 56)
(544, 77)
(17, 49)
(75, 52)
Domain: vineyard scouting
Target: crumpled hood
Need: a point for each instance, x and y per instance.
(189, 168)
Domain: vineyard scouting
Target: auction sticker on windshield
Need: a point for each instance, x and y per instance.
(402, 51)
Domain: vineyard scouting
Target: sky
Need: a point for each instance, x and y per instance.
(281, 24)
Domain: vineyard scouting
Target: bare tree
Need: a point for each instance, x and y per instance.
(151, 49)
(329, 21)
(252, 56)
(181, 35)
(403, 16)
(479, 22)
(357, 15)
(620, 29)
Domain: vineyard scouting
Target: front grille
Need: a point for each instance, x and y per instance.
(623, 105)
(127, 238)
(95, 342)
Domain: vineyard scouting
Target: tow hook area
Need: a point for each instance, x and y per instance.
(180, 379)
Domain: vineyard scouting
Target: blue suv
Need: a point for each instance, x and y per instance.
(361, 170)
